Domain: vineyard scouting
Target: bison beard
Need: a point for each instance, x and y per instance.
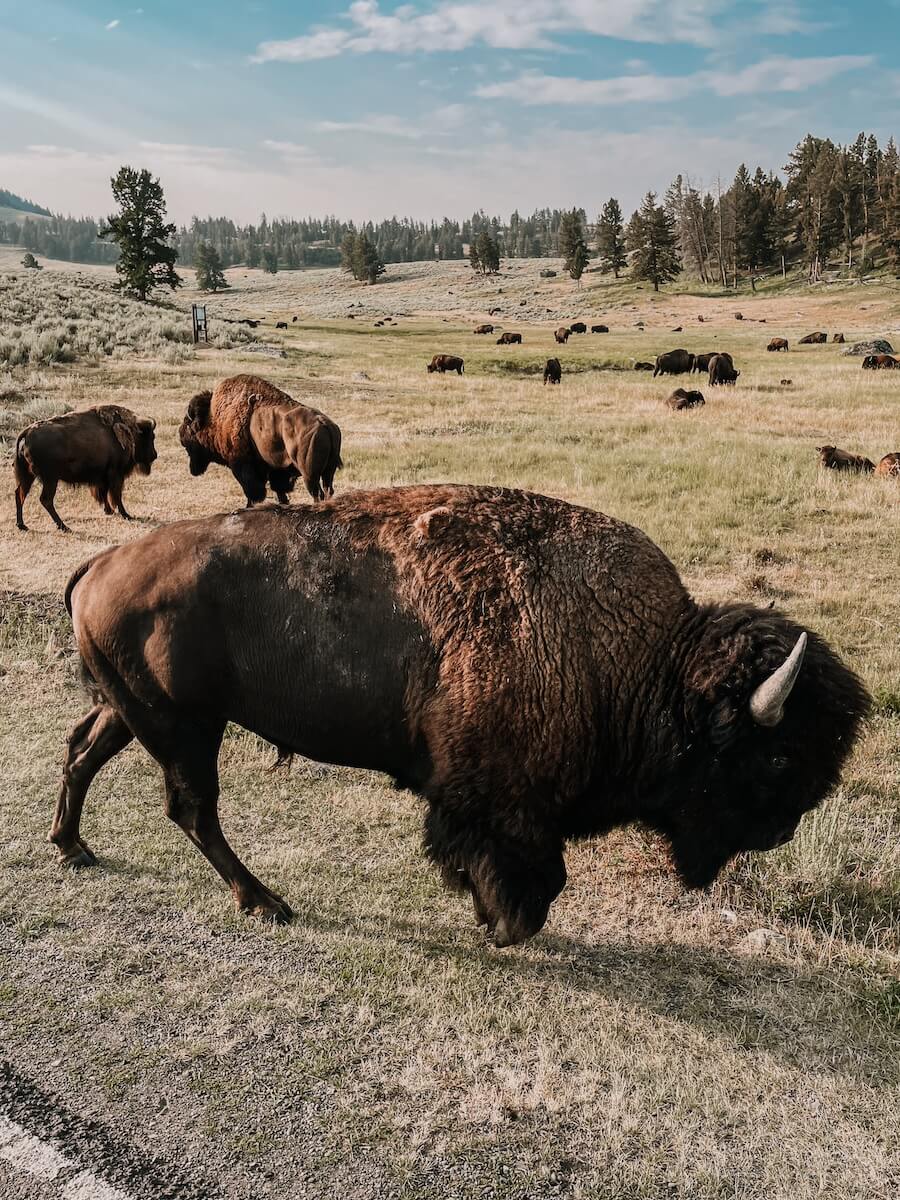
(536, 671)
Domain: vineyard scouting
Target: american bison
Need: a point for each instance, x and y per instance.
(599, 329)
(880, 362)
(889, 465)
(675, 362)
(281, 324)
(643, 366)
(484, 329)
(786, 382)
(539, 674)
(842, 460)
(814, 339)
(552, 371)
(264, 437)
(578, 327)
(509, 339)
(837, 337)
(97, 448)
(721, 370)
(680, 399)
(778, 344)
(446, 362)
(562, 335)
(701, 362)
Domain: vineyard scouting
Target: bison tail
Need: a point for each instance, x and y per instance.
(21, 466)
(74, 579)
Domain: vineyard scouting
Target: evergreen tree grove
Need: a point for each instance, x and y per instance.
(610, 238)
(208, 267)
(146, 259)
(651, 240)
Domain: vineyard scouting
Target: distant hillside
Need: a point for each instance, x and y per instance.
(18, 206)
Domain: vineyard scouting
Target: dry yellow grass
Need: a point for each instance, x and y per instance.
(378, 1046)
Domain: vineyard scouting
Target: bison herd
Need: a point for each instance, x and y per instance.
(535, 671)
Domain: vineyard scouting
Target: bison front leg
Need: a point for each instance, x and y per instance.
(252, 481)
(513, 881)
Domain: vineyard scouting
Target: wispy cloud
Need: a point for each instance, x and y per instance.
(382, 125)
(503, 24)
(778, 74)
(112, 24)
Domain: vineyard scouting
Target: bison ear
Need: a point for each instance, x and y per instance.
(431, 524)
(124, 435)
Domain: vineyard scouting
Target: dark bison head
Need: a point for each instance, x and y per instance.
(145, 445)
(190, 433)
(771, 713)
(431, 367)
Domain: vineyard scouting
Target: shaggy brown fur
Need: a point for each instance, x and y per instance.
(889, 465)
(509, 339)
(842, 460)
(681, 399)
(880, 362)
(674, 362)
(702, 361)
(721, 370)
(97, 448)
(778, 344)
(552, 371)
(484, 329)
(814, 339)
(562, 335)
(264, 436)
(536, 671)
(446, 362)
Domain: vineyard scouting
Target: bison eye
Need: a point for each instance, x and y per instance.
(780, 764)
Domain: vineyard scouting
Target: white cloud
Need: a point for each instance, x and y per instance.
(112, 24)
(451, 25)
(382, 126)
(777, 74)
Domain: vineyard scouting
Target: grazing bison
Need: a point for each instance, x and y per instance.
(643, 366)
(786, 382)
(578, 327)
(701, 362)
(880, 362)
(509, 339)
(778, 344)
(97, 448)
(599, 329)
(281, 324)
(681, 399)
(837, 337)
(814, 339)
(484, 329)
(263, 436)
(675, 362)
(557, 681)
(446, 362)
(721, 370)
(562, 335)
(552, 371)
(889, 465)
(842, 460)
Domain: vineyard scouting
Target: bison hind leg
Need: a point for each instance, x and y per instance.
(48, 493)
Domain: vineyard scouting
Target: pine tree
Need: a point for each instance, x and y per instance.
(348, 242)
(208, 266)
(610, 239)
(367, 264)
(146, 260)
(488, 253)
(572, 245)
(474, 260)
(890, 234)
(651, 239)
(270, 260)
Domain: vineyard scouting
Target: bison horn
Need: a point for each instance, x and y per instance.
(768, 701)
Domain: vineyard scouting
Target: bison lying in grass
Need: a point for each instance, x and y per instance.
(842, 460)
(680, 399)
(97, 448)
(535, 671)
(263, 436)
(889, 465)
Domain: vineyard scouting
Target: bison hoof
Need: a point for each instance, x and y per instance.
(271, 908)
(77, 857)
(24, 528)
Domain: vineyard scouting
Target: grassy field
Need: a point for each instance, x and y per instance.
(649, 1043)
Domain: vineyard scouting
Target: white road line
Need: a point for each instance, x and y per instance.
(27, 1153)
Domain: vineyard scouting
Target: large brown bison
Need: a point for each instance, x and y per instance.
(509, 339)
(484, 329)
(680, 399)
(446, 362)
(552, 371)
(778, 344)
(837, 337)
(721, 370)
(880, 362)
(599, 329)
(889, 465)
(536, 671)
(702, 361)
(263, 436)
(843, 460)
(562, 335)
(97, 448)
(814, 339)
(578, 327)
(675, 362)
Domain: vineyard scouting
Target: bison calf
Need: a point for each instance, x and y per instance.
(842, 460)
(552, 371)
(97, 448)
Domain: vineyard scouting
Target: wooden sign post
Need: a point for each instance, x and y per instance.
(198, 320)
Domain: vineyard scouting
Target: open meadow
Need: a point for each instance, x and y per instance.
(649, 1042)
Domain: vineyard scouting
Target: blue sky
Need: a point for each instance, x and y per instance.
(368, 108)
